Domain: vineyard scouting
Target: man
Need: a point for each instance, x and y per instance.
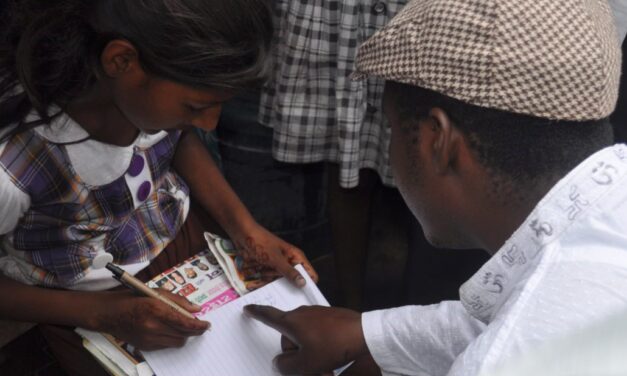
(500, 140)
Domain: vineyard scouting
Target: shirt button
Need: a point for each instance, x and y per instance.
(379, 8)
(371, 109)
(137, 165)
(101, 260)
(143, 191)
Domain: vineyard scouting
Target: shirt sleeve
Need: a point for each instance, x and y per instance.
(13, 201)
(419, 340)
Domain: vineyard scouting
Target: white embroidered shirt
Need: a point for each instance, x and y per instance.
(564, 268)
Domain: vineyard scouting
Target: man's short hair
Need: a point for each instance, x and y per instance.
(519, 149)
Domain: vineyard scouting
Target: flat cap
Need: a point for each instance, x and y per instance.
(556, 59)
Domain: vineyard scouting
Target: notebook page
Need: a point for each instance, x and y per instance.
(236, 344)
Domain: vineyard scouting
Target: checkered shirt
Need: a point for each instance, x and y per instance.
(66, 215)
(316, 111)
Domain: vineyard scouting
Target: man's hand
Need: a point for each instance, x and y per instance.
(147, 323)
(273, 256)
(315, 340)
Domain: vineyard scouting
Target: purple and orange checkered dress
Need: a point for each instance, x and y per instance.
(69, 222)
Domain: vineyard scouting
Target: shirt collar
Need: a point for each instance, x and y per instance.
(568, 201)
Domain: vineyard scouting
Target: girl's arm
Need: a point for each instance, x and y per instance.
(144, 322)
(209, 188)
(33, 304)
(194, 164)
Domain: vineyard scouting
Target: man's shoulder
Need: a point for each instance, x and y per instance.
(575, 288)
(561, 296)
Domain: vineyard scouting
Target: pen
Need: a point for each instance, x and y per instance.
(137, 285)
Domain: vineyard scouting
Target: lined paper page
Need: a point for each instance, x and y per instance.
(236, 344)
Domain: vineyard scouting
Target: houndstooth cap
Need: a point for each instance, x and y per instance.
(556, 59)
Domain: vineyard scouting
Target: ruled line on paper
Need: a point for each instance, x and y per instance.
(237, 344)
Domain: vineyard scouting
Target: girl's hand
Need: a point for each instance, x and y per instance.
(273, 256)
(146, 323)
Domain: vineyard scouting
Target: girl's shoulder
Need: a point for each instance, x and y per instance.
(34, 158)
(14, 197)
(26, 157)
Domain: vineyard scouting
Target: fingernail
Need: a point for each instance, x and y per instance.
(300, 281)
(208, 326)
(247, 309)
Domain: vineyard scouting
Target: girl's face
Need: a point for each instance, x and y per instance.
(155, 104)
(152, 104)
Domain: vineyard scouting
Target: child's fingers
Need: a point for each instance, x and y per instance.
(296, 256)
(182, 324)
(288, 271)
(180, 301)
(311, 271)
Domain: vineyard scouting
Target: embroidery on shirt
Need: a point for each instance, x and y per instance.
(491, 286)
(604, 173)
(476, 303)
(541, 228)
(493, 282)
(577, 202)
(621, 153)
(514, 256)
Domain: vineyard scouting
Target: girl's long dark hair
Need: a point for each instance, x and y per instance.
(50, 50)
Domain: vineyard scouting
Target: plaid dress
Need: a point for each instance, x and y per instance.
(316, 111)
(69, 221)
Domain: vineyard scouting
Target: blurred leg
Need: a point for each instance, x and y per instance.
(349, 216)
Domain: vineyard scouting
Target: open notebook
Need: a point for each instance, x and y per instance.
(236, 344)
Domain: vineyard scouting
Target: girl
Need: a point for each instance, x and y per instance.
(97, 160)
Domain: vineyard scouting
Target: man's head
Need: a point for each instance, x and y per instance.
(455, 162)
(490, 103)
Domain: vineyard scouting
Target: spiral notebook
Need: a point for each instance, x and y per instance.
(237, 344)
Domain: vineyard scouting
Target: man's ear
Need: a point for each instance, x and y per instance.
(446, 140)
(118, 58)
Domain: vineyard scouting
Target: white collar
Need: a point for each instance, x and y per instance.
(568, 201)
(97, 163)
